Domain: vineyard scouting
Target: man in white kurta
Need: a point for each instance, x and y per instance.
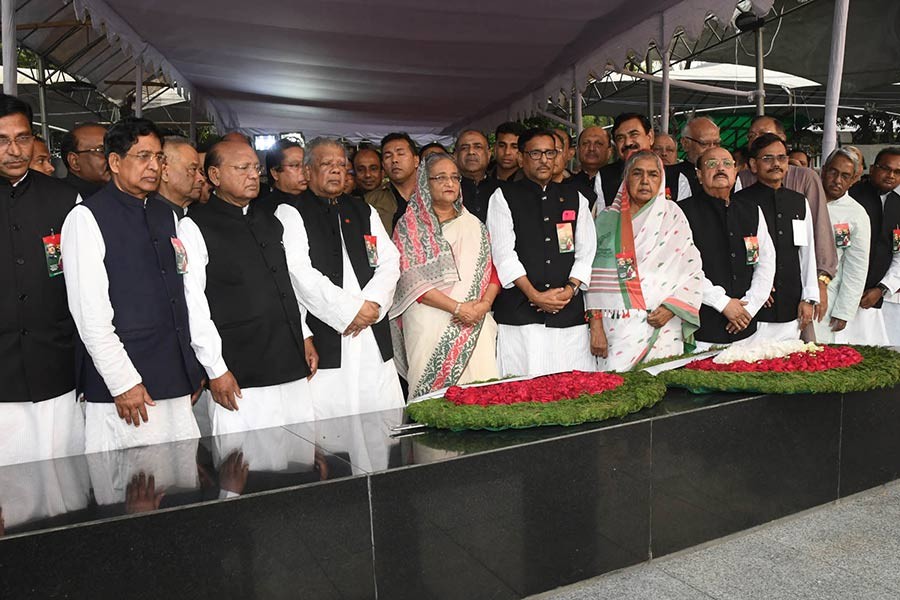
(343, 240)
(540, 310)
(852, 236)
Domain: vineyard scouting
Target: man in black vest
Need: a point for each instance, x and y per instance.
(787, 215)
(124, 267)
(181, 176)
(879, 196)
(472, 154)
(39, 415)
(284, 164)
(82, 153)
(594, 149)
(698, 135)
(343, 239)
(738, 254)
(506, 151)
(543, 244)
(246, 325)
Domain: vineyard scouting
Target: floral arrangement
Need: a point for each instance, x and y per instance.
(561, 399)
(817, 369)
(809, 358)
(549, 388)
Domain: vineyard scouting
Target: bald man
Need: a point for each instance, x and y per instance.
(664, 147)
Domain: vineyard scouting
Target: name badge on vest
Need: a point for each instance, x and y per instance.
(799, 231)
(565, 238)
(372, 249)
(181, 258)
(751, 245)
(53, 254)
(625, 266)
(842, 235)
(895, 245)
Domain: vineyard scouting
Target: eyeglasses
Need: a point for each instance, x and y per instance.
(247, 169)
(702, 144)
(145, 157)
(712, 163)
(442, 179)
(842, 176)
(290, 165)
(537, 154)
(773, 158)
(894, 172)
(20, 140)
(98, 150)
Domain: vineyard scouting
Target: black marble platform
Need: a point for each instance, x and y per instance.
(340, 509)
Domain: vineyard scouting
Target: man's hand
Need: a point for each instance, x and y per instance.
(312, 357)
(367, 316)
(659, 317)
(233, 473)
(599, 345)
(225, 391)
(141, 495)
(804, 313)
(870, 297)
(196, 395)
(132, 405)
(738, 317)
(838, 324)
(822, 307)
(771, 300)
(552, 301)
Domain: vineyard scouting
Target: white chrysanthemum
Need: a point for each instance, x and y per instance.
(763, 351)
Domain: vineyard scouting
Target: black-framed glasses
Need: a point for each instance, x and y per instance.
(444, 178)
(702, 144)
(894, 172)
(98, 150)
(20, 140)
(537, 154)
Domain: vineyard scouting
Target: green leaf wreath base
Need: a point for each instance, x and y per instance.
(640, 390)
(879, 368)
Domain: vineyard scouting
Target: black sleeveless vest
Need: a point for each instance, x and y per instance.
(249, 292)
(326, 223)
(719, 233)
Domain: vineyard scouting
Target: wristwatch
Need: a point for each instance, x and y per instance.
(885, 290)
(574, 287)
(810, 301)
(825, 278)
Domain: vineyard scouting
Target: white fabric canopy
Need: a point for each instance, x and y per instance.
(418, 65)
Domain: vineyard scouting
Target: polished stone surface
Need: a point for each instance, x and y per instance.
(514, 522)
(719, 471)
(870, 444)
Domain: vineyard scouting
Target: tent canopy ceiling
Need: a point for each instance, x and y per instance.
(353, 65)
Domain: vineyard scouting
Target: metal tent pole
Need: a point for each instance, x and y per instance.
(138, 87)
(835, 75)
(10, 54)
(760, 74)
(42, 100)
(664, 106)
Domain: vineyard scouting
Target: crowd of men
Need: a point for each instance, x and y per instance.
(155, 287)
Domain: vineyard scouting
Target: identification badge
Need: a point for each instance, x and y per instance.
(751, 244)
(564, 238)
(625, 267)
(53, 254)
(842, 235)
(372, 249)
(799, 227)
(181, 259)
(895, 246)
(568, 215)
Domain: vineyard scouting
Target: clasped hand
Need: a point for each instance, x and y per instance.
(471, 312)
(368, 315)
(553, 300)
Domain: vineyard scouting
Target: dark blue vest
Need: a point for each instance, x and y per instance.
(147, 294)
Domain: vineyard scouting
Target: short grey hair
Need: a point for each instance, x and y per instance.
(686, 130)
(846, 153)
(317, 143)
(177, 140)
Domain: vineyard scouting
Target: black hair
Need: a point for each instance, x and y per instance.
(465, 131)
(426, 147)
(366, 148)
(779, 126)
(623, 117)
(530, 134)
(562, 135)
(12, 105)
(800, 151)
(125, 133)
(400, 135)
(766, 139)
(510, 127)
(890, 151)
(275, 154)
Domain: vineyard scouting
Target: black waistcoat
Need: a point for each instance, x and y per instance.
(535, 214)
(584, 184)
(673, 176)
(610, 179)
(85, 188)
(780, 207)
(36, 329)
(476, 196)
(248, 288)
(325, 223)
(719, 233)
(883, 220)
(147, 295)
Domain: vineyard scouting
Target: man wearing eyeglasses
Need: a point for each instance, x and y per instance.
(472, 153)
(85, 159)
(124, 269)
(181, 177)
(737, 252)
(806, 182)
(543, 243)
(880, 196)
(795, 292)
(39, 415)
(698, 135)
(246, 324)
(284, 163)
